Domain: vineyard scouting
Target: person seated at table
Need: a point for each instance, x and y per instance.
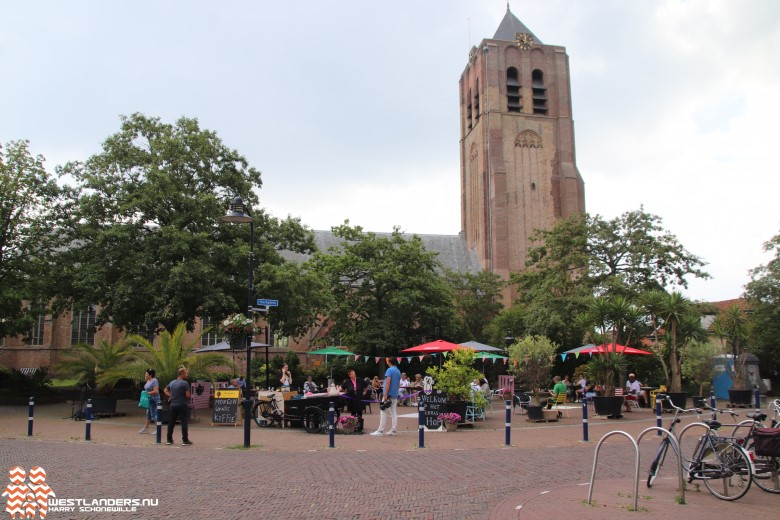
(558, 388)
(475, 386)
(583, 383)
(403, 390)
(310, 386)
(484, 387)
(591, 390)
(376, 388)
(633, 392)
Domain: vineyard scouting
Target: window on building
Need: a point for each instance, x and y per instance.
(212, 336)
(513, 102)
(82, 328)
(539, 92)
(469, 120)
(476, 103)
(36, 333)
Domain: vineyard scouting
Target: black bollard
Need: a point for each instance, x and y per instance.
(712, 405)
(585, 419)
(159, 421)
(420, 424)
(30, 413)
(757, 398)
(331, 429)
(508, 435)
(88, 434)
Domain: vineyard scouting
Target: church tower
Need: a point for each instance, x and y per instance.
(518, 170)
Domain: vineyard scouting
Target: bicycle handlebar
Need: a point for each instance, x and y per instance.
(665, 397)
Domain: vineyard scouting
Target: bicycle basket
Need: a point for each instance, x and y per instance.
(767, 441)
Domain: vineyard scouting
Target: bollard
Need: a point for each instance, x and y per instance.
(159, 421)
(87, 435)
(30, 412)
(420, 424)
(508, 436)
(658, 420)
(585, 419)
(757, 397)
(331, 429)
(713, 413)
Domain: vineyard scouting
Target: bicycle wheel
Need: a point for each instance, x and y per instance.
(766, 470)
(263, 414)
(658, 461)
(726, 471)
(315, 421)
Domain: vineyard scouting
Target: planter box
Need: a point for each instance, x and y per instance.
(550, 415)
(678, 398)
(534, 413)
(740, 398)
(609, 406)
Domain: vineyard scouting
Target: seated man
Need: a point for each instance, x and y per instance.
(558, 388)
(633, 392)
(403, 390)
(310, 386)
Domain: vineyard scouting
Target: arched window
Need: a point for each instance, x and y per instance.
(513, 102)
(539, 92)
(469, 120)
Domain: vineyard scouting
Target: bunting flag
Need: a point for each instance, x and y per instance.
(357, 356)
(399, 359)
(506, 360)
(365, 358)
(444, 354)
(409, 359)
(514, 362)
(576, 355)
(563, 357)
(421, 357)
(377, 360)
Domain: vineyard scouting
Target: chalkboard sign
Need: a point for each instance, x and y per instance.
(435, 403)
(226, 407)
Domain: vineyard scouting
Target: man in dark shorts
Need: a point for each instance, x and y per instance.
(178, 392)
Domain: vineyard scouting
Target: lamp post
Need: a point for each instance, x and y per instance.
(509, 339)
(238, 213)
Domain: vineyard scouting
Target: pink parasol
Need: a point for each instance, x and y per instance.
(612, 347)
(434, 346)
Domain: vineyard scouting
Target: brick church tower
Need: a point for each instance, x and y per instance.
(518, 170)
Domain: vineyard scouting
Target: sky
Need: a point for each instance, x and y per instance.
(350, 107)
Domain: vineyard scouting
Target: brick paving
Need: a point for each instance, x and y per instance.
(290, 474)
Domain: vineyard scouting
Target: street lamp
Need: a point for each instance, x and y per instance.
(509, 339)
(238, 213)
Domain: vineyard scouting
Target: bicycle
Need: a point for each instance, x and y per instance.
(766, 465)
(266, 414)
(723, 465)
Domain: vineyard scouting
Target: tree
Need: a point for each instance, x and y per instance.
(731, 328)
(699, 363)
(387, 291)
(456, 375)
(31, 206)
(763, 294)
(531, 360)
(145, 240)
(88, 362)
(164, 359)
(477, 300)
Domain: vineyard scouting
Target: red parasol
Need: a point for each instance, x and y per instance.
(612, 347)
(434, 346)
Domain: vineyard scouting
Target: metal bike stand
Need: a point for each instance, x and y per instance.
(677, 450)
(636, 464)
(672, 439)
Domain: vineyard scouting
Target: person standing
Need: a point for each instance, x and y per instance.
(178, 391)
(286, 379)
(353, 387)
(392, 381)
(152, 388)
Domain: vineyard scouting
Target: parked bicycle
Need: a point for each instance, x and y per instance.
(762, 443)
(720, 462)
(314, 414)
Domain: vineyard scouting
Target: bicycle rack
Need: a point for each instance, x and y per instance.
(635, 443)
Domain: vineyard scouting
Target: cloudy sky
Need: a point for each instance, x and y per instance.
(350, 107)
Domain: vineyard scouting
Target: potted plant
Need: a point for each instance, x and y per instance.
(531, 360)
(346, 424)
(730, 326)
(235, 328)
(698, 366)
(606, 369)
(450, 420)
(454, 379)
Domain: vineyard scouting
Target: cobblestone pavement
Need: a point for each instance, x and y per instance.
(294, 475)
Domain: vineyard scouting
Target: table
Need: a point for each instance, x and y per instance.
(646, 390)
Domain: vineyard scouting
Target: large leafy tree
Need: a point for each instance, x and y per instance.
(763, 293)
(477, 301)
(31, 206)
(388, 291)
(145, 240)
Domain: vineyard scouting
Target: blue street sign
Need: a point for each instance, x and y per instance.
(268, 303)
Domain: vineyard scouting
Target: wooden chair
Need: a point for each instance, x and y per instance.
(653, 393)
(559, 400)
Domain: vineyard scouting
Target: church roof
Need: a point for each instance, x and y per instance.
(510, 26)
(451, 249)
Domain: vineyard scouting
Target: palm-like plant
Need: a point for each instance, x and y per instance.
(87, 362)
(165, 359)
(731, 328)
